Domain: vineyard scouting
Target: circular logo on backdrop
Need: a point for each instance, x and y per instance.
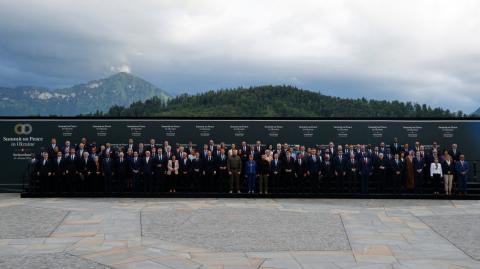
(23, 128)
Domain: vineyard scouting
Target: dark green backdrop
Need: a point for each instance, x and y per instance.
(23, 136)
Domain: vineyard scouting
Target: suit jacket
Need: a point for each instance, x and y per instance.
(462, 168)
(71, 165)
(276, 166)
(313, 166)
(147, 167)
(135, 166)
(327, 168)
(418, 164)
(365, 167)
(351, 168)
(197, 165)
(185, 166)
(209, 166)
(108, 166)
(300, 167)
(122, 168)
(289, 164)
(339, 165)
(85, 167)
(396, 167)
(44, 168)
(59, 168)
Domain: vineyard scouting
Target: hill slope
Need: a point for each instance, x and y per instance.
(274, 101)
(120, 89)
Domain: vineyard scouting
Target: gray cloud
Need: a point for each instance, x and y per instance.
(422, 51)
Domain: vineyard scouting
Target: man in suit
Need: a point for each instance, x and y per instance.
(418, 167)
(340, 171)
(85, 169)
(462, 168)
(130, 145)
(44, 172)
(209, 172)
(52, 148)
(288, 172)
(313, 171)
(160, 168)
(136, 167)
(71, 170)
(276, 172)
(300, 169)
(196, 172)
(147, 172)
(59, 167)
(222, 170)
(351, 168)
(455, 153)
(327, 173)
(365, 171)
(380, 165)
(185, 169)
(395, 147)
(108, 171)
(396, 167)
(122, 172)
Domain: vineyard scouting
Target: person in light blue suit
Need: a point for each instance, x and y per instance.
(462, 167)
(251, 173)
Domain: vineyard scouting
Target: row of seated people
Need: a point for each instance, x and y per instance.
(221, 168)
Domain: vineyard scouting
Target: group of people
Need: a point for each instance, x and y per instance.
(255, 168)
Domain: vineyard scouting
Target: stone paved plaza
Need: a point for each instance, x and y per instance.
(238, 233)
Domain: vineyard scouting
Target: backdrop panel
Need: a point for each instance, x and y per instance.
(20, 136)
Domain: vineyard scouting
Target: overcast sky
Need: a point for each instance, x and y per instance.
(411, 50)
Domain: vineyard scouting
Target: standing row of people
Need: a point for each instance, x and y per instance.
(396, 168)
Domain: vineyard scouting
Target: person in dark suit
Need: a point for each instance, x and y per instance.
(44, 172)
(172, 172)
(288, 173)
(196, 172)
(462, 167)
(185, 169)
(276, 172)
(263, 174)
(209, 172)
(300, 169)
(108, 171)
(53, 148)
(160, 170)
(380, 165)
(340, 171)
(130, 145)
(136, 168)
(351, 167)
(419, 167)
(59, 167)
(122, 172)
(97, 178)
(365, 171)
(85, 168)
(455, 153)
(327, 174)
(147, 172)
(222, 170)
(395, 147)
(397, 167)
(71, 170)
(313, 171)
